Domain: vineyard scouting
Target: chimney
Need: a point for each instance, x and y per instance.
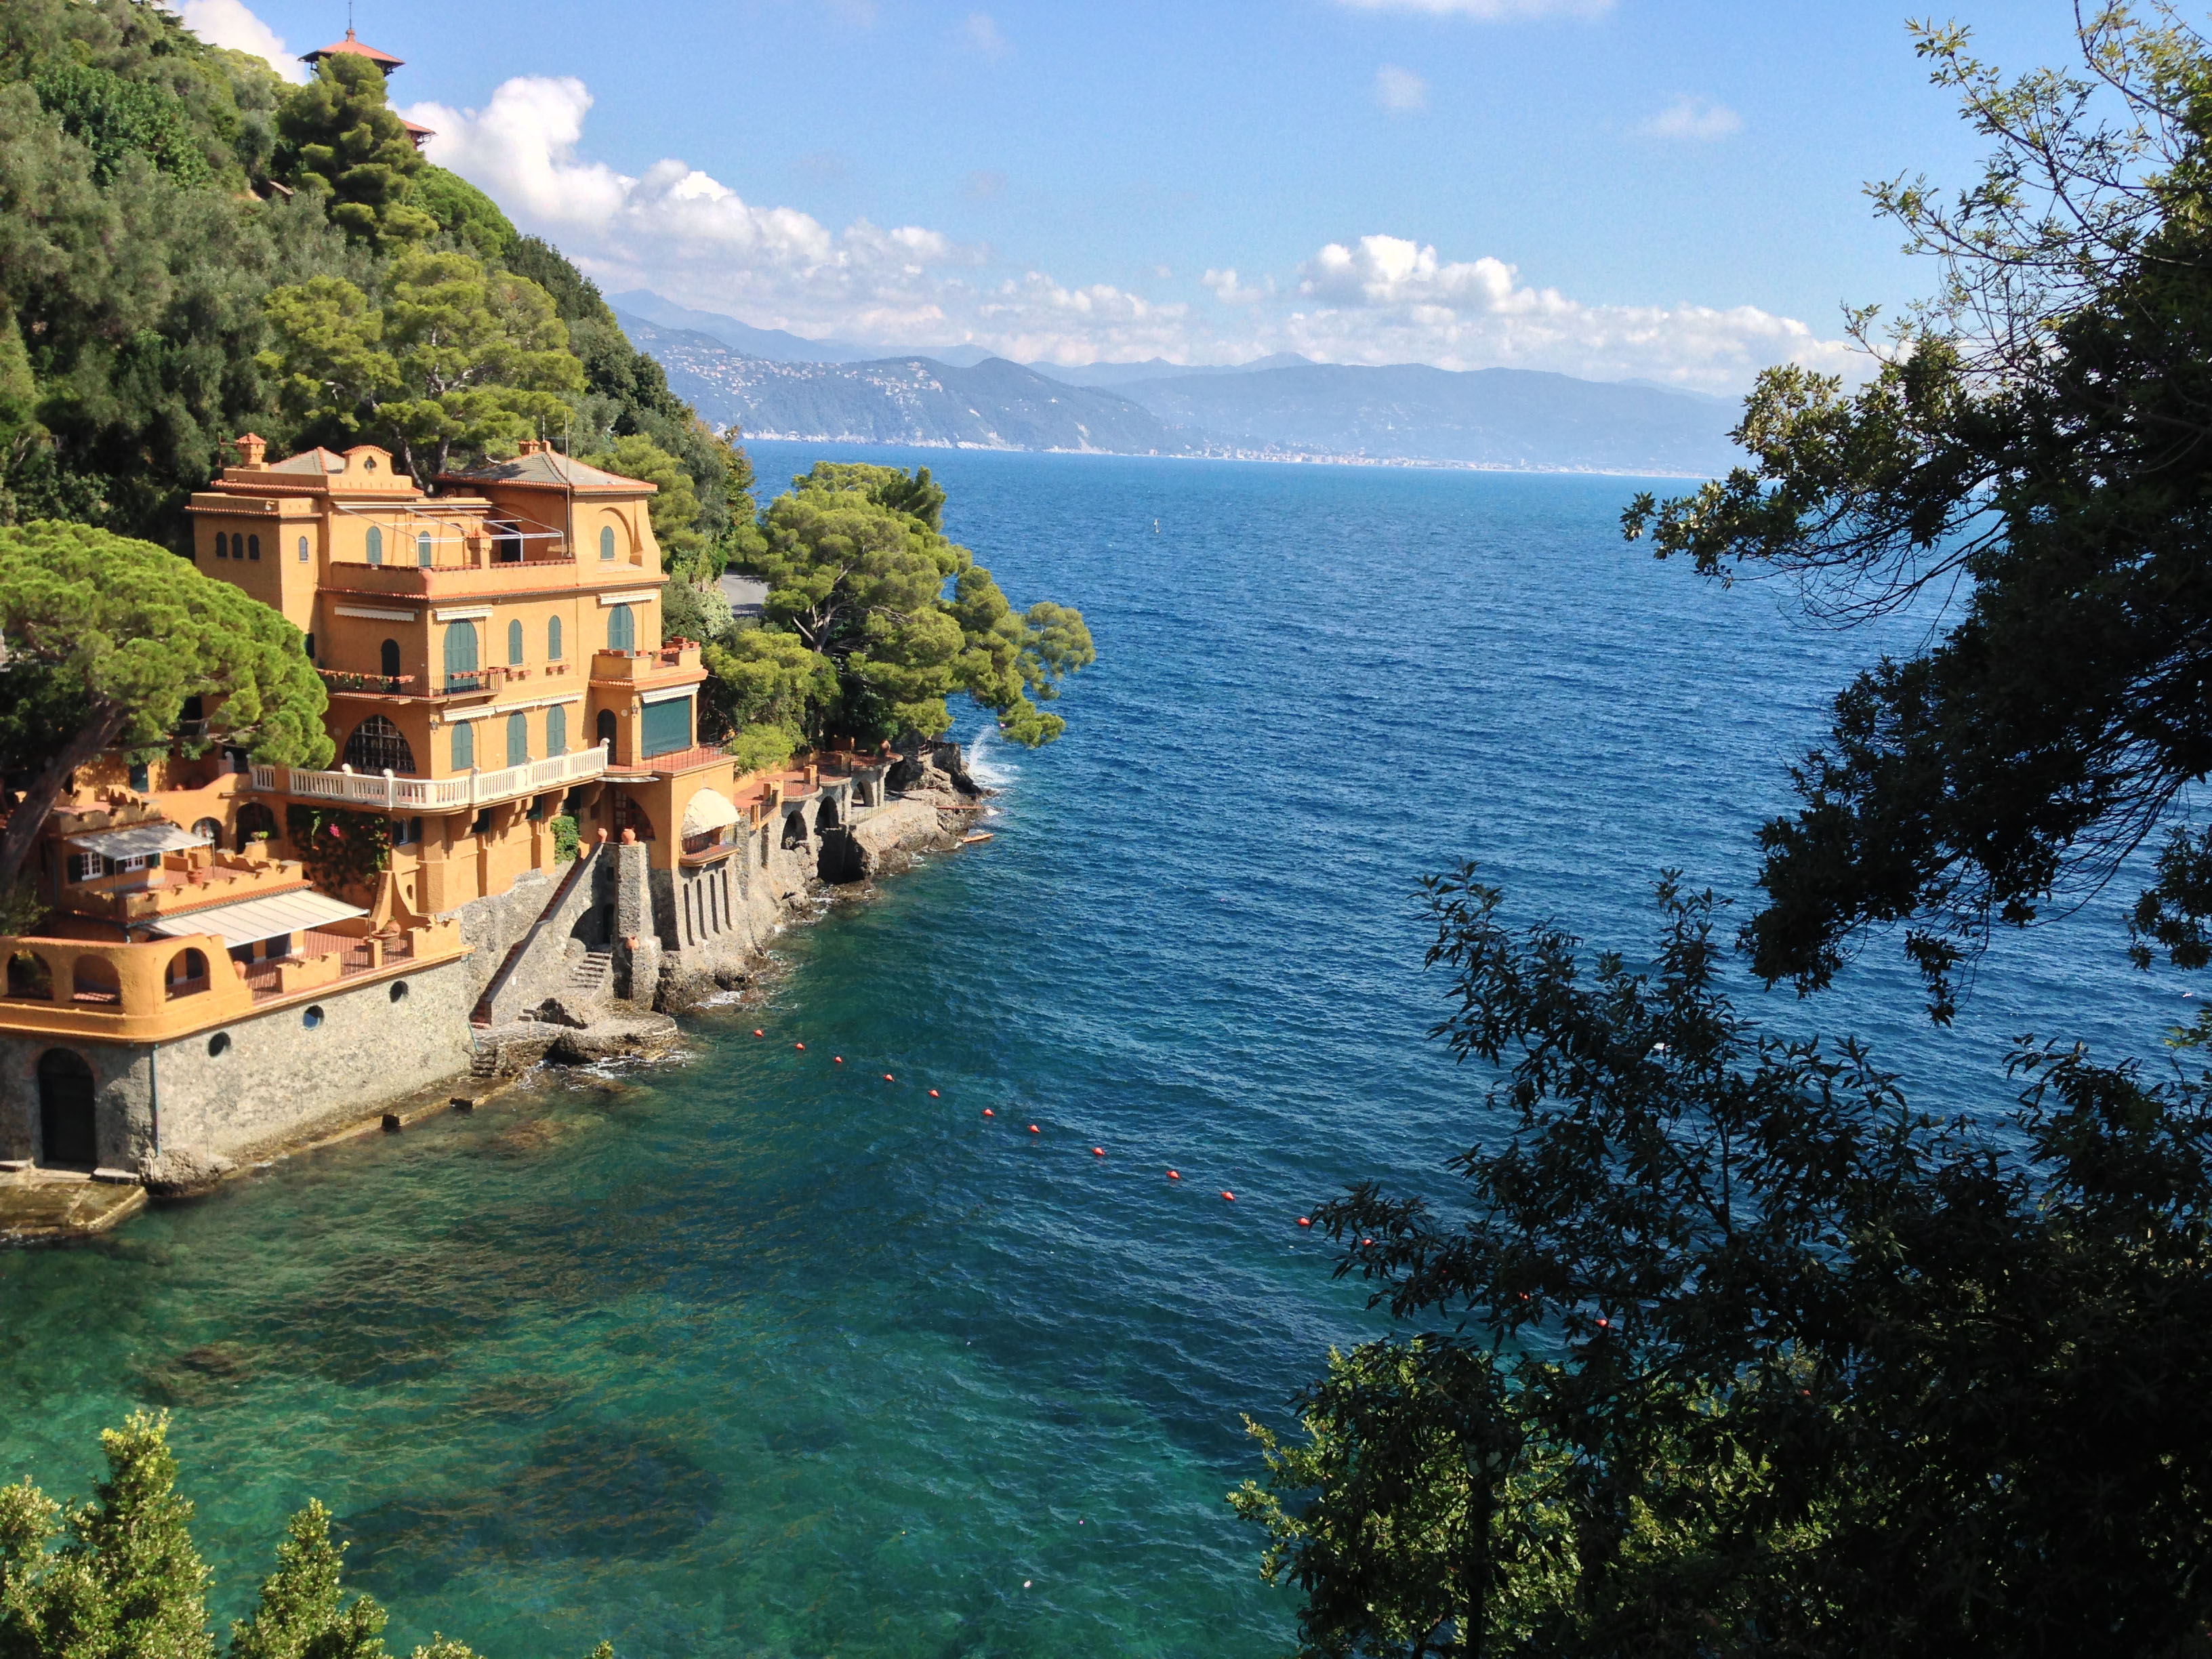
(531, 447)
(250, 448)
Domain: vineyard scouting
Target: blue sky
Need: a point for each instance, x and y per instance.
(1630, 188)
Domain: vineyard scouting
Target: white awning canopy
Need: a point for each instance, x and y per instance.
(251, 920)
(709, 810)
(140, 841)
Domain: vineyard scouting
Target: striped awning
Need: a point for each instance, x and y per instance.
(251, 920)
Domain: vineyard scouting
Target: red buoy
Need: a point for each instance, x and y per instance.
(1231, 1197)
(759, 1033)
(1097, 1152)
(800, 1047)
(987, 1112)
(839, 1059)
(1174, 1175)
(1305, 1221)
(1365, 1242)
(887, 1077)
(932, 1094)
(1033, 1128)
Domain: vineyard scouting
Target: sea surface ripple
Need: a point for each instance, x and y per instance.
(765, 1355)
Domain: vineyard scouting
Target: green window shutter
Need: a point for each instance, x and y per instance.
(423, 554)
(553, 640)
(514, 643)
(465, 746)
(460, 656)
(557, 732)
(667, 726)
(376, 545)
(607, 541)
(622, 628)
(518, 740)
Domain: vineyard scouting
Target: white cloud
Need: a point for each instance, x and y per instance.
(1400, 90)
(1488, 10)
(1379, 299)
(1692, 117)
(228, 23)
(982, 34)
(1387, 300)
(1227, 289)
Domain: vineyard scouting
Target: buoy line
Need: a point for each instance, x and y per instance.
(1173, 1174)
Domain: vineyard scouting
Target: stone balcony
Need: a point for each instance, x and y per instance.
(391, 793)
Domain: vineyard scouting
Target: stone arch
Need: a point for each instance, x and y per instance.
(30, 977)
(826, 817)
(93, 979)
(794, 827)
(68, 1120)
(187, 974)
(377, 744)
(387, 660)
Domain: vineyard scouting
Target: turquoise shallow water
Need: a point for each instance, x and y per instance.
(763, 1355)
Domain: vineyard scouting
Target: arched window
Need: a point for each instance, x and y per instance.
(518, 740)
(622, 628)
(606, 541)
(211, 830)
(303, 549)
(514, 642)
(461, 657)
(423, 554)
(253, 547)
(553, 640)
(387, 659)
(255, 822)
(465, 746)
(606, 732)
(188, 974)
(376, 545)
(221, 545)
(556, 731)
(376, 744)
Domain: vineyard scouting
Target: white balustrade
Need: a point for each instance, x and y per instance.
(400, 794)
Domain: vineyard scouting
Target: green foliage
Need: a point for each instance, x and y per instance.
(127, 1584)
(341, 851)
(566, 839)
(338, 139)
(303, 1614)
(2029, 439)
(120, 633)
(457, 357)
(860, 580)
(116, 119)
(1775, 1363)
(769, 690)
(465, 213)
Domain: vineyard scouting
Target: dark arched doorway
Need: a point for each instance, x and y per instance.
(255, 820)
(69, 1130)
(606, 730)
(377, 744)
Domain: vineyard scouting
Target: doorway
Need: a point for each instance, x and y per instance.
(69, 1128)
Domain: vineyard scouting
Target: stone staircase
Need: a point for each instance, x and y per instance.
(588, 978)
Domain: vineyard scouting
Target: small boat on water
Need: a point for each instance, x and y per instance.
(976, 837)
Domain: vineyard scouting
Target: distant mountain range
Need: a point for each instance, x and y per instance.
(775, 385)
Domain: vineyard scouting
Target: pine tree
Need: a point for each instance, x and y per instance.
(302, 1613)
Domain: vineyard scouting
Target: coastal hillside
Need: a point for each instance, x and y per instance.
(996, 405)
(1278, 408)
(1492, 417)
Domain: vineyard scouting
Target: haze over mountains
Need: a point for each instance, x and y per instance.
(775, 385)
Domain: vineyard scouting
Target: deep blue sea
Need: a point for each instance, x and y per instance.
(764, 1355)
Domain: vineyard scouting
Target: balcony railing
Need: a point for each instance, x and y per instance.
(398, 795)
